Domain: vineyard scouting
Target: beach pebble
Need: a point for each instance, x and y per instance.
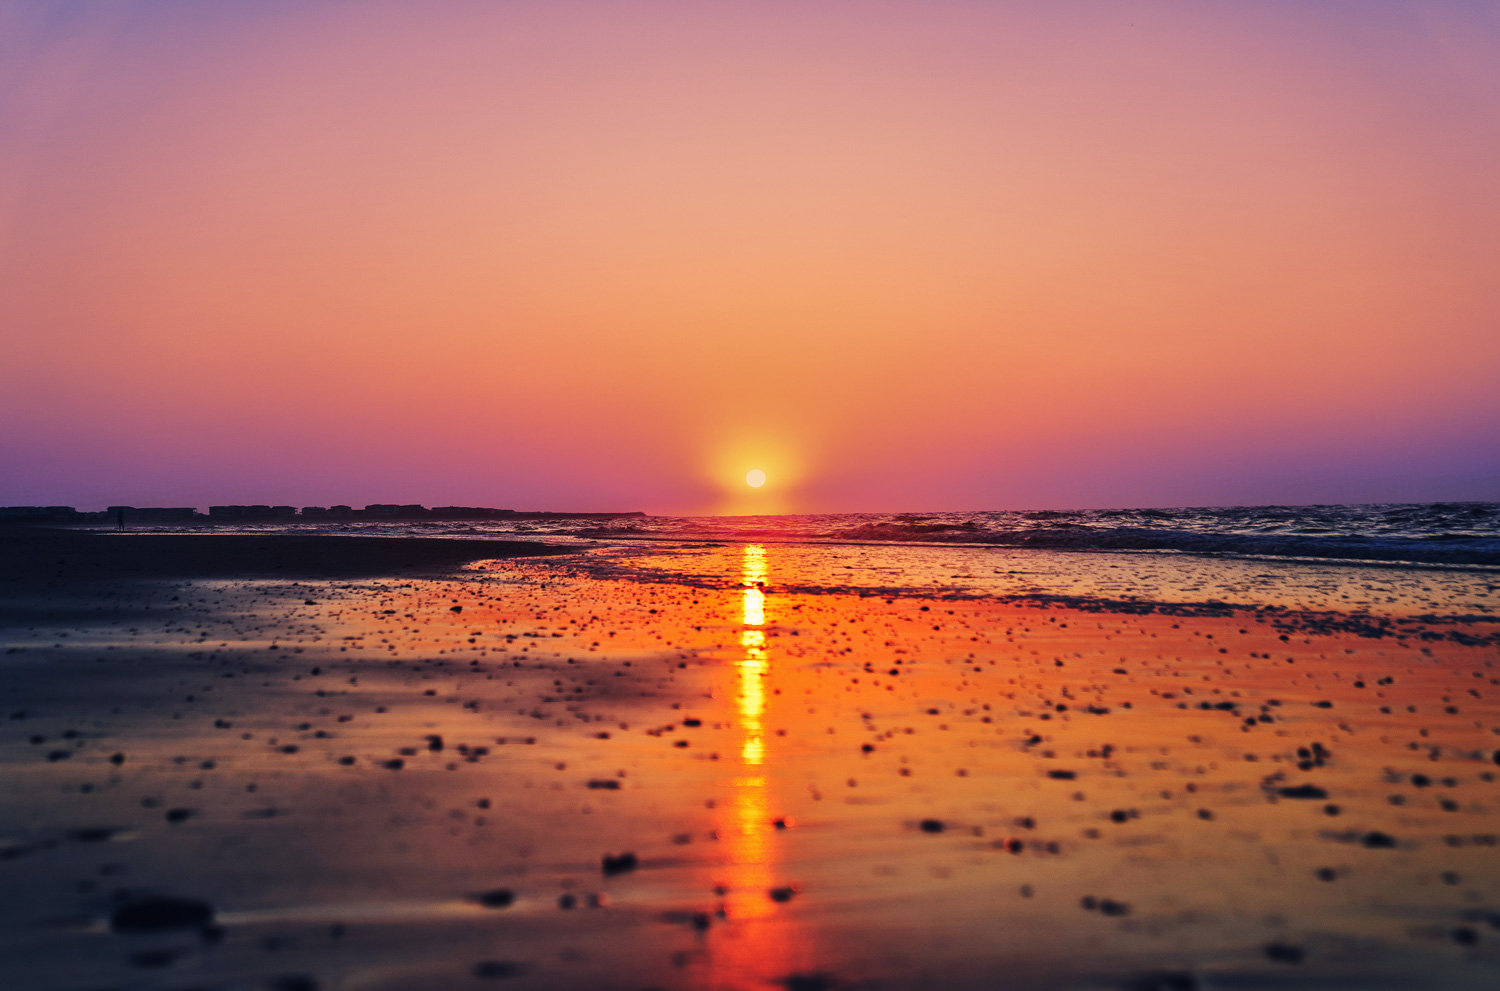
(161, 914)
(620, 864)
(294, 982)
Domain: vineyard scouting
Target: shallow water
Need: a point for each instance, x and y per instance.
(991, 572)
(821, 787)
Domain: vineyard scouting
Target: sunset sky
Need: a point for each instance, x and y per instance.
(612, 255)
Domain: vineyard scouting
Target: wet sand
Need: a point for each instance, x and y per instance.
(518, 773)
(32, 557)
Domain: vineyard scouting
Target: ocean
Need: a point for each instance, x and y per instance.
(1431, 560)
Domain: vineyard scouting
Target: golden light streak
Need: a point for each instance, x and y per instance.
(749, 813)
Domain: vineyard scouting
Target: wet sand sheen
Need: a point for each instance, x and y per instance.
(524, 775)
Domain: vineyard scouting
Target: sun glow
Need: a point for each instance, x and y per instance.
(753, 475)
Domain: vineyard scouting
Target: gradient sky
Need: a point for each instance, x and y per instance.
(903, 256)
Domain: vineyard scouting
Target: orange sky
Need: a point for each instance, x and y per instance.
(903, 256)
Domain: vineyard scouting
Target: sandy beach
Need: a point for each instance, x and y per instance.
(265, 763)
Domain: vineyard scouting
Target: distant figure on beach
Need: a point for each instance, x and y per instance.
(119, 519)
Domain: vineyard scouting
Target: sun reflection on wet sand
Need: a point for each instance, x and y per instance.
(756, 942)
(749, 816)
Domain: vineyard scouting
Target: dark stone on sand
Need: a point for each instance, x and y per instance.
(931, 825)
(1284, 953)
(175, 816)
(161, 914)
(294, 982)
(1109, 906)
(807, 982)
(394, 764)
(117, 759)
(1464, 936)
(492, 969)
(94, 834)
(1061, 775)
(621, 864)
(152, 959)
(1378, 841)
(1326, 873)
(782, 895)
(1166, 981)
(605, 784)
(497, 898)
(1302, 791)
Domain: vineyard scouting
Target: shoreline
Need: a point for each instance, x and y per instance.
(1491, 564)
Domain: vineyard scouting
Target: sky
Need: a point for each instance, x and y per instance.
(912, 256)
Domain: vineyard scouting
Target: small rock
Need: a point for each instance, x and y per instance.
(161, 914)
(621, 864)
(490, 969)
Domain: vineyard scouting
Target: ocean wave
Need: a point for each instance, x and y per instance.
(1452, 534)
(1436, 549)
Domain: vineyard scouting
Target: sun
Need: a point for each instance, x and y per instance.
(755, 478)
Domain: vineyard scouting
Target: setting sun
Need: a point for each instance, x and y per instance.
(755, 478)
